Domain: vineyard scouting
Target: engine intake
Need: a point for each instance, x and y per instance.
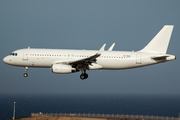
(62, 69)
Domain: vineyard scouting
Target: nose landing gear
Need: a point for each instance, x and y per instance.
(25, 74)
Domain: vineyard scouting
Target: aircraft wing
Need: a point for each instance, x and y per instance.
(88, 60)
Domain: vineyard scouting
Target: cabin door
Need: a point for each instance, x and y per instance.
(25, 55)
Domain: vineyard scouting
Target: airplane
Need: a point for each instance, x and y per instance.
(65, 61)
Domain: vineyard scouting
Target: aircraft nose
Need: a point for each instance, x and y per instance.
(5, 60)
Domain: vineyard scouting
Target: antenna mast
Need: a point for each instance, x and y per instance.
(14, 111)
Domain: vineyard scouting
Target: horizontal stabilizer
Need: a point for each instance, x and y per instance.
(160, 57)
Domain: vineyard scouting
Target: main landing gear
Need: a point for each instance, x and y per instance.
(84, 75)
(25, 74)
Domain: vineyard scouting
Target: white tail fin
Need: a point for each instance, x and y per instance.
(160, 42)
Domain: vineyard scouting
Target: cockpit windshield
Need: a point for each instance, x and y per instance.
(13, 54)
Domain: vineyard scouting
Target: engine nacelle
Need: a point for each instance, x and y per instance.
(62, 69)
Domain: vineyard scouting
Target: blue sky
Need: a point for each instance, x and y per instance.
(83, 24)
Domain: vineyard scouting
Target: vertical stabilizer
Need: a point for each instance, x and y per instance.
(160, 42)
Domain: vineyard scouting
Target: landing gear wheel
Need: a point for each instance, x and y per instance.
(26, 70)
(84, 76)
(25, 75)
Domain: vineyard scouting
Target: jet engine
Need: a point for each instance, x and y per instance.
(62, 69)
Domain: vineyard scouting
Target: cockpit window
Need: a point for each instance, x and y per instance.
(13, 54)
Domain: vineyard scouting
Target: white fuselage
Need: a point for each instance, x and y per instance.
(108, 60)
